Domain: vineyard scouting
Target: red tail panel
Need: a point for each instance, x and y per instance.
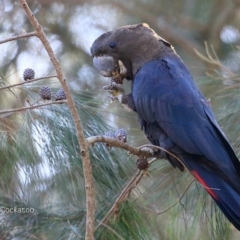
(204, 184)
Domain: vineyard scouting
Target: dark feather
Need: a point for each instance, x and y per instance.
(172, 110)
(165, 93)
(174, 114)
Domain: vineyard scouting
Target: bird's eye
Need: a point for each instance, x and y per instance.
(112, 45)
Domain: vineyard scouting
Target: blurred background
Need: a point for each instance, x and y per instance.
(40, 166)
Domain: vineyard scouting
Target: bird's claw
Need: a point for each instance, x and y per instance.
(115, 91)
(149, 150)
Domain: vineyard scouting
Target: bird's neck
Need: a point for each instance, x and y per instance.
(145, 55)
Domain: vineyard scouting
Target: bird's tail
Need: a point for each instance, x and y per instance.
(221, 190)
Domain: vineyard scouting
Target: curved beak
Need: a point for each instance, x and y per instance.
(106, 65)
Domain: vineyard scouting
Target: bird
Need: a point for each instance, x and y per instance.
(172, 111)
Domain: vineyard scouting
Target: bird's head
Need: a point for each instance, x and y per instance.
(132, 46)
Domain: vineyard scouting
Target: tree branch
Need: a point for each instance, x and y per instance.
(138, 151)
(24, 35)
(29, 81)
(146, 150)
(133, 183)
(31, 107)
(138, 175)
(143, 151)
(87, 168)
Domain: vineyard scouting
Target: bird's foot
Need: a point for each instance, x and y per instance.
(115, 91)
(150, 150)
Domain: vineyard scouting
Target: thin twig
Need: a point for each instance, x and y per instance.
(145, 150)
(137, 177)
(133, 183)
(164, 150)
(120, 197)
(23, 35)
(179, 199)
(112, 230)
(137, 180)
(29, 81)
(211, 60)
(138, 151)
(127, 191)
(31, 107)
(87, 168)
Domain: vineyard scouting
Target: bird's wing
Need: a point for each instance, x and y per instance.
(164, 92)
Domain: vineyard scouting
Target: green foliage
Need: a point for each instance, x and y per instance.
(45, 174)
(40, 165)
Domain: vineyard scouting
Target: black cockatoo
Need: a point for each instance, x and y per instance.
(172, 111)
